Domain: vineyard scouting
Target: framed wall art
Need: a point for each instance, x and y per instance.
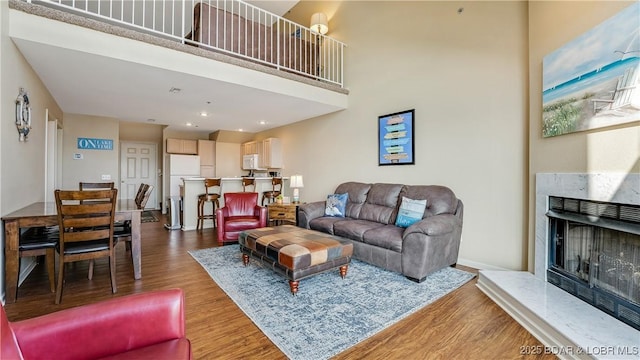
(396, 143)
(592, 81)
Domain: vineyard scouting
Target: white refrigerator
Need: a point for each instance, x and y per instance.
(179, 167)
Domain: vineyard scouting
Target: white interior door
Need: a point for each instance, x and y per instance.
(138, 164)
(53, 156)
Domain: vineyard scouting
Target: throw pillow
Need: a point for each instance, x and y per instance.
(336, 205)
(410, 212)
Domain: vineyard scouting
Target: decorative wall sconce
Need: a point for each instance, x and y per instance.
(23, 114)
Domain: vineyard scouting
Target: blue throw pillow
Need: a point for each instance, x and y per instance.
(336, 205)
(410, 212)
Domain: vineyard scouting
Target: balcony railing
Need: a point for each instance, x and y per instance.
(232, 27)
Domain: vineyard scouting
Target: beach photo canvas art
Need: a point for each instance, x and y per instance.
(592, 82)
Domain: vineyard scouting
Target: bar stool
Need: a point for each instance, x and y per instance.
(272, 194)
(247, 181)
(208, 196)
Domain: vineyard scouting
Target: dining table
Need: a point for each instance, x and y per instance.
(45, 214)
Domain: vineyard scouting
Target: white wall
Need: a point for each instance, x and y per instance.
(466, 76)
(94, 163)
(22, 163)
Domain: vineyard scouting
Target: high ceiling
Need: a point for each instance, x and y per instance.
(93, 73)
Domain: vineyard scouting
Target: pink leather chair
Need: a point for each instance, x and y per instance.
(141, 326)
(240, 212)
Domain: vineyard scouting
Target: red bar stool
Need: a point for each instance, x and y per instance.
(209, 195)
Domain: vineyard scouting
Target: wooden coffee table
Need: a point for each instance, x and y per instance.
(296, 253)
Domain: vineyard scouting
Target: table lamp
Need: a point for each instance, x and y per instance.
(319, 23)
(296, 183)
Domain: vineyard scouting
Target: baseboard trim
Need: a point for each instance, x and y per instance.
(478, 265)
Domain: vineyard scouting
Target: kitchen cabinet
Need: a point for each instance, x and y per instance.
(249, 148)
(207, 153)
(271, 154)
(182, 146)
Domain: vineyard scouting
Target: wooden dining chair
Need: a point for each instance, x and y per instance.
(38, 241)
(121, 229)
(140, 196)
(85, 219)
(84, 185)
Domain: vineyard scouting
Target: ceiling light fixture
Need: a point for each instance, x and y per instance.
(189, 124)
(204, 114)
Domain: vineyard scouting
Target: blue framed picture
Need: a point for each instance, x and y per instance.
(396, 144)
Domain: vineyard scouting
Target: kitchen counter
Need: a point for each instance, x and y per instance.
(194, 186)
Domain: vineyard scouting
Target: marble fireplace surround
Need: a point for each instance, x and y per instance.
(567, 326)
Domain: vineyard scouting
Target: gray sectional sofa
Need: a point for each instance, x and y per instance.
(371, 210)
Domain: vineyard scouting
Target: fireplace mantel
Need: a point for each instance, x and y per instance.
(566, 325)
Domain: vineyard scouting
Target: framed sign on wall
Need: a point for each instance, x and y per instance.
(396, 143)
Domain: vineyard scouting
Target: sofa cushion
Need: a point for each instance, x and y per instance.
(357, 196)
(381, 204)
(336, 205)
(410, 211)
(386, 237)
(325, 223)
(440, 199)
(354, 229)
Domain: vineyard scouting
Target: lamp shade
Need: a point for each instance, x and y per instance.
(319, 23)
(296, 181)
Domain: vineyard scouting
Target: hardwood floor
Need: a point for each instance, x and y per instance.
(464, 324)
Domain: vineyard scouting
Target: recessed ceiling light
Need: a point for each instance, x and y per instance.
(189, 124)
(262, 122)
(240, 130)
(204, 114)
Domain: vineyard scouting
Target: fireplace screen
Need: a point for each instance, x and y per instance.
(606, 259)
(597, 257)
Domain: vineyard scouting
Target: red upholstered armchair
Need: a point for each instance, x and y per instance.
(240, 212)
(141, 326)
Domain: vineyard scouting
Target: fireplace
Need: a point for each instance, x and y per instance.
(594, 254)
(566, 325)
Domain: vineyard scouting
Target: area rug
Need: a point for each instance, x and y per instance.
(148, 216)
(329, 314)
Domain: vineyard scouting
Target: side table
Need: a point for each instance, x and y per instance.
(279, 213)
